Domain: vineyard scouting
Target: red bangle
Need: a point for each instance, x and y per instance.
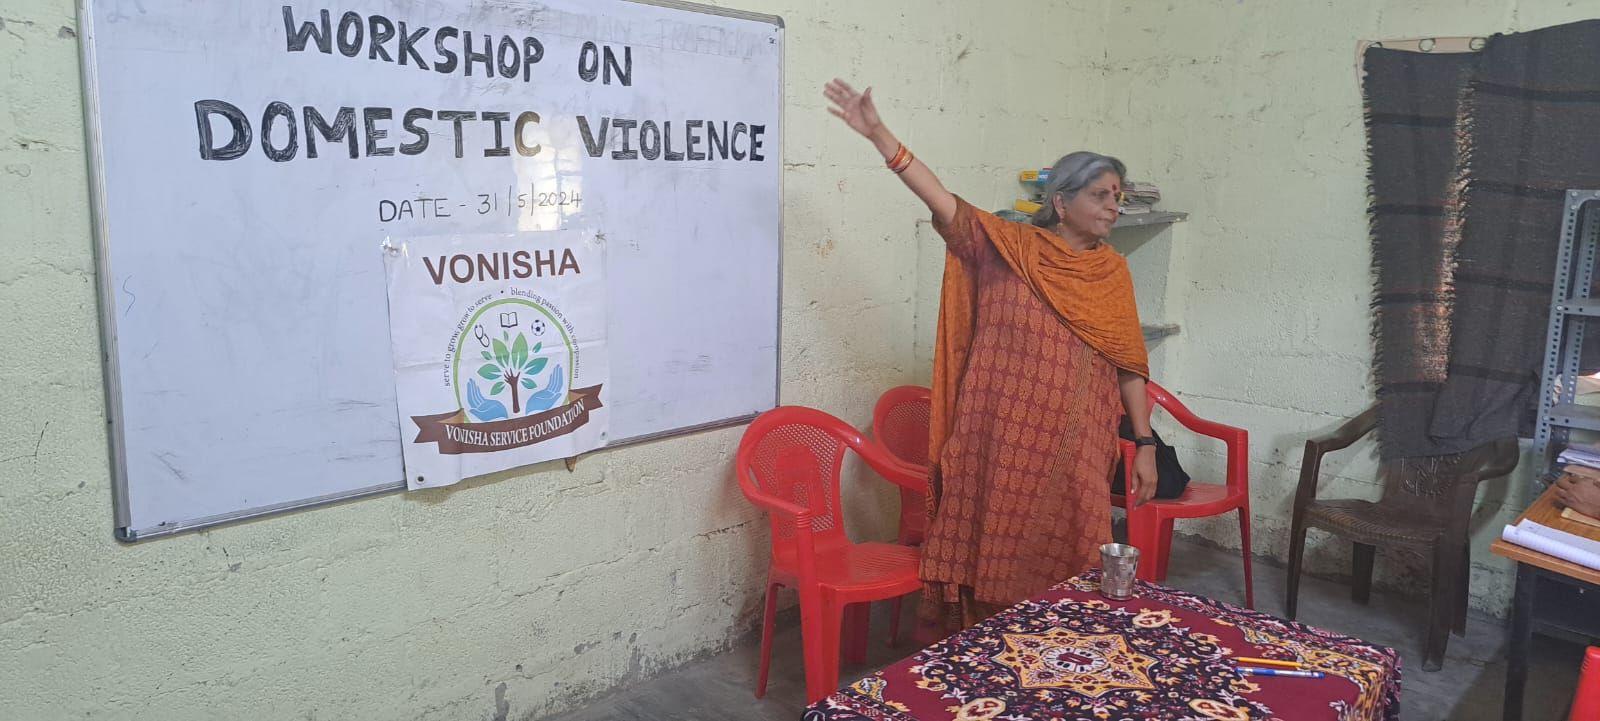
(902, 160)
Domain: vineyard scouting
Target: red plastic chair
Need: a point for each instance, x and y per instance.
(900, 425)
(1150, 525)
(788, 464)
(1586, 704)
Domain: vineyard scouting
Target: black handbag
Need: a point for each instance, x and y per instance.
(1171, 479)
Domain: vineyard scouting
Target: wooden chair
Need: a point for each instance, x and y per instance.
(1419, 512)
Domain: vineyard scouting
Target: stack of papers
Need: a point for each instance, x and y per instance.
(1581, 454)
(1565, 546)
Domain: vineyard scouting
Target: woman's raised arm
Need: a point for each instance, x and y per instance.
(857, 111)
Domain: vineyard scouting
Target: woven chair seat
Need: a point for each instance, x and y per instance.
(1373, 523)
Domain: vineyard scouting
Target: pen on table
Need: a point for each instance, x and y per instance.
(1290, 673)
(1269, 662)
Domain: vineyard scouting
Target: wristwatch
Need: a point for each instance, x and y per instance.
(1142, 441)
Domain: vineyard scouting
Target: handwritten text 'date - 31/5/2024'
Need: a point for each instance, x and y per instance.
(510, 202)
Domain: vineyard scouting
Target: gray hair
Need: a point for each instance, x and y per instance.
(1072, 173)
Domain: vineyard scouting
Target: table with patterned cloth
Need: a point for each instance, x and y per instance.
(1071, 654)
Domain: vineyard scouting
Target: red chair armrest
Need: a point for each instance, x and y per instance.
(768, 502)
(1237, 439)
(1212, 429)
(797, 515)
(894, 470)
(898, 472)
(780, 507)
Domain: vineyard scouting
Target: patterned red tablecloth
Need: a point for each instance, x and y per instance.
(1070, 654)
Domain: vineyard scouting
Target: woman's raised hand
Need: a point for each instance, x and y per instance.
(855, 109)
(858, 111)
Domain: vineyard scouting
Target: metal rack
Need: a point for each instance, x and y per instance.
(1571, 307)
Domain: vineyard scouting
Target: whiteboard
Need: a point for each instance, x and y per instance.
(248, 166)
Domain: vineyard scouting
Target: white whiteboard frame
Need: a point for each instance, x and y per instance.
(108, 321)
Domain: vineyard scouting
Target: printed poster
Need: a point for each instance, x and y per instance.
(499, 350)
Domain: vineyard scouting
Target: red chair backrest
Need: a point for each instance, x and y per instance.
(900, 423)
(1586, 704)
(793, 455)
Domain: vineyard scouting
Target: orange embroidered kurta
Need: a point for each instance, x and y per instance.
(1026, 405)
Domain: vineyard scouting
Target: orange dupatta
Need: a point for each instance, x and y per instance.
(1090, 290)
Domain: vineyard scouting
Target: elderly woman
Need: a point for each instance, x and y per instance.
(1039, 354)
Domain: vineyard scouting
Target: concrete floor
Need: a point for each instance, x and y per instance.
(1468, 689)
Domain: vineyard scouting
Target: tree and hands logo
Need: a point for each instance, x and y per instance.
(516, 367)
(518, 395)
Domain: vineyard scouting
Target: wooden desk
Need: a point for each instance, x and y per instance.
(1533, 566)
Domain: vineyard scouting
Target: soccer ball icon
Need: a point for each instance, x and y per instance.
(537, 326)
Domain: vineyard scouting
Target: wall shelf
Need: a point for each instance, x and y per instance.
(1157, 331)
(1137, 220)
(1155, 217)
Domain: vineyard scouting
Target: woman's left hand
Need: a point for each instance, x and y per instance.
(1144, 471)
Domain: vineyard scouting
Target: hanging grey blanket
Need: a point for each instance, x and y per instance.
(1411, 100)
(1532, 119)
